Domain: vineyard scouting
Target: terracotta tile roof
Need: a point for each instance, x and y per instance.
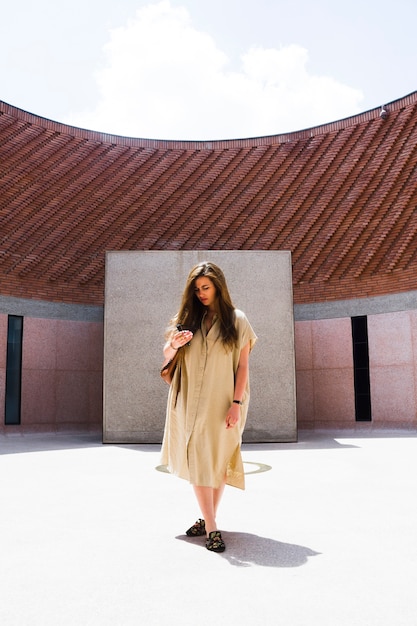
(342, 197)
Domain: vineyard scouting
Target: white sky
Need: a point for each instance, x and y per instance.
(205, 69)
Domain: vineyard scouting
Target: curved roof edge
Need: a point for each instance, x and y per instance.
(121, 140)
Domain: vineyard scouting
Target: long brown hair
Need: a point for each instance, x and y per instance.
(191, 310)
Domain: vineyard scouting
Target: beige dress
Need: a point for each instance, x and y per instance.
(196, 445)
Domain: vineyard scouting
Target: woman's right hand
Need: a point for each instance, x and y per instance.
(180, 338)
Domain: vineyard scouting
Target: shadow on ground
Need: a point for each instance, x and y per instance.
(247, 550)
(49, 442)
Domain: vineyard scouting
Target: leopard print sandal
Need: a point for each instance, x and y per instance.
(197, 530)
(214, 542)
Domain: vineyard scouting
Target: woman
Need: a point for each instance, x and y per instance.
(209, 394)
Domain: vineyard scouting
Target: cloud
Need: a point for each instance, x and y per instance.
(163, 79)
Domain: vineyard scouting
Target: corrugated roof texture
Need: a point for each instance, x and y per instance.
(342, 197)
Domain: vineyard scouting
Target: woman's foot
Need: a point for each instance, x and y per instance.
(214, 542)
(197, 530)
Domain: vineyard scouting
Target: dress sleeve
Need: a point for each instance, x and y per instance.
(246, 334)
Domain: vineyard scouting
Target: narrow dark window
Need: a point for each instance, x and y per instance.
(361, 369)
(13, 370)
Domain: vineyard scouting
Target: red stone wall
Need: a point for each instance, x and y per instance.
(62, 375)
(63, 360)
(324, 370)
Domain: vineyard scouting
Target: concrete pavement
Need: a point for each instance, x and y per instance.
(325, 533)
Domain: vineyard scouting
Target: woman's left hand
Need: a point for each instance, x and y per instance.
(233, 416)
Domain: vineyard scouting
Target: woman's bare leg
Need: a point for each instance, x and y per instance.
(205, 501)
(217, 496)
(208, 500)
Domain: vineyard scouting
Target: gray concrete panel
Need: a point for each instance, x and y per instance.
(143, 291)
(392, 303)
(43, 309)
